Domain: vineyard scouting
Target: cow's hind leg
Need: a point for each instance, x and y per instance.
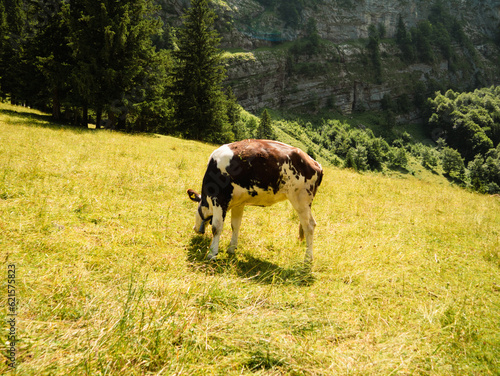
(308, 224)
(302, 204)
(236, 217)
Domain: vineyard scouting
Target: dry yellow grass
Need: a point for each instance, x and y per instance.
(111, 280)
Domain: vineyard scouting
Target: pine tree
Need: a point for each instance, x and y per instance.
(403, 39)
(4, 43)
(374, 49)
(265, 128)
(111, 42)
(13, 24)
(197, 90)
(401, 33)
(232, 107)
(51, 54)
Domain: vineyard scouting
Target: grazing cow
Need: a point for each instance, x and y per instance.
(260, 173)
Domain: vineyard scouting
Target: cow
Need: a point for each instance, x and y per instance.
(258, 173)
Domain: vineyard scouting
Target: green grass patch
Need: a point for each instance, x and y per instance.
(111, 279)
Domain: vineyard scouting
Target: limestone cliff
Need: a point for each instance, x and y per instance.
(268, 72)
(343, 20)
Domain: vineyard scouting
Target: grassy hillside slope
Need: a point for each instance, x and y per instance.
(111, 279)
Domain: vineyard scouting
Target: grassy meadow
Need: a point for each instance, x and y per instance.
(110, 277)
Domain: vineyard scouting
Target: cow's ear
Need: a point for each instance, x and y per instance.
(193, 195)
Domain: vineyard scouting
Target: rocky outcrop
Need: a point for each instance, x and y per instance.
(341, 76)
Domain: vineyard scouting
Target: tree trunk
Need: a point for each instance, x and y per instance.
(112, 120)
(98, 118)
(56, 106)
(85, 117)
(122, 121)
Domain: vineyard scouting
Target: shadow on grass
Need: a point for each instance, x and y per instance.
(245, 266)
(40, 120)
(430, 169)
(454, 179)
(46, 121)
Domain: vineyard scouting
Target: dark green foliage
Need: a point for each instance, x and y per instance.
(51, 56)
(14, 32)
(436, 34)
(387, 104)
(399, 157)
(164, 40)
(251, 126)
(200, 109)
(357, 158)
(442, 39)
(155, 112)
(381, 30)
(309, 45)
(468, 121)
(90, 55)
(497, 36)
(265, 129)
(421, 36)
(359, 148)
(403, 104)
(453, 163)
(111, 42)
(373, 47)
(312, 35)
(232, 107)
(429, 158)
(290, 11)
(484, 172)
(268, 3)
(403, 39)
(470, 124)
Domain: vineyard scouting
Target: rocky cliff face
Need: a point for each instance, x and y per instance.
(340, 76)
(343, 20)
(338, 79)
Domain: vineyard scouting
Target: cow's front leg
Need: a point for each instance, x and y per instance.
(217, 224)
(236, 217)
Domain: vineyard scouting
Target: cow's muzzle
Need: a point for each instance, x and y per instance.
(204, 222)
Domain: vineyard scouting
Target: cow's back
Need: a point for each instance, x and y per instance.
(264, 167)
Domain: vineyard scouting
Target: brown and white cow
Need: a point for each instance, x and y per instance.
(260, 173)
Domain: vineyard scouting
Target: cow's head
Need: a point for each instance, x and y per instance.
(203, 213)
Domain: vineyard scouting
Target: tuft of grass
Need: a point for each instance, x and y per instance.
(111, 279)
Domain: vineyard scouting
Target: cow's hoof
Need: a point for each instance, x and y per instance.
(212, 257)
(308, 262)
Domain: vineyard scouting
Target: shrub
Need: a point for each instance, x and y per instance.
(429, 157)
(357, 158)
(453, 164)
(399, 157)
